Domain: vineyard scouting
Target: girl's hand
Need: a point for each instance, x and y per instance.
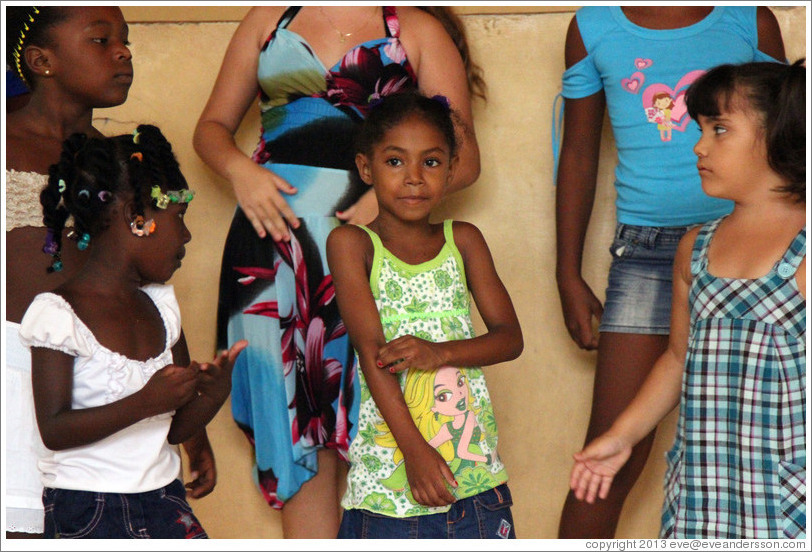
(595, 466)
(169, 388)
(362, 212)
(429, 477)
(215, 376)
(579, 306)
(407, 352)
(258, 193)
(203, 470)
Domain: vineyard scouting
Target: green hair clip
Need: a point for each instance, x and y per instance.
(163, 199)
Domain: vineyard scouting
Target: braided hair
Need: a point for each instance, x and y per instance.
(30, 26)
(92, 173)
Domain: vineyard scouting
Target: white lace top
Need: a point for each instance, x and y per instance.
(22, 198)
(136, 459)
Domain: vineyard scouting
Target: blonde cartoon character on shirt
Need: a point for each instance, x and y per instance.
(442, 408)
(660, 113)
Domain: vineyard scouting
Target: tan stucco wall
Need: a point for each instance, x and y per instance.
(542, 399)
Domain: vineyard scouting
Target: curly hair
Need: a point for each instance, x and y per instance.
(92, 173)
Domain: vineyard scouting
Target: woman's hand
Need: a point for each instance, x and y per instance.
(258, 193)
(362, 212)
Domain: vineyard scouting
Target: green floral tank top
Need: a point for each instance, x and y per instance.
(450, 406)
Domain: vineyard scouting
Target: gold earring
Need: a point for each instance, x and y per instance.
(47, 71)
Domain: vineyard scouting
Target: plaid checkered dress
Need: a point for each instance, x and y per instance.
(737, 467)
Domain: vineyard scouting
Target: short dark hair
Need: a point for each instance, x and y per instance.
(390, 110)
(774, 91)
(35, 23)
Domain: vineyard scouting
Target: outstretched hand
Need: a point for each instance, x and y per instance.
(214, 381)
(407, 352)
(596, 466)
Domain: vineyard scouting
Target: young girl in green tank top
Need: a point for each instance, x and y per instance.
(425, 461)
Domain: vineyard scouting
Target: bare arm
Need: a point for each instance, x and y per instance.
(347, 251)
(62, 427)
(575, 196)
(596, 465)
(769, 34)
(503, 340)
(256, 188)
(440, 70)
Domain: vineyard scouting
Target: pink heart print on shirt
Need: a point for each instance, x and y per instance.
(633, 83)
(679, 113)
(641, 63)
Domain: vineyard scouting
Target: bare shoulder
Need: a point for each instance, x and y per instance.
(348, 238)
(467, 237)
(260, 21)
(420, 26)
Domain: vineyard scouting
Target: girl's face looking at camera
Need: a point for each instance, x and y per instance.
(410, 168)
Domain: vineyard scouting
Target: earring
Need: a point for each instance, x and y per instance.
(141, 227)
(47, 71)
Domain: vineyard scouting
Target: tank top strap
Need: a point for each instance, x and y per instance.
(377, 259)
(391, 22)
(448, 233)
(287, 17)
(699, 254)
(791, 260)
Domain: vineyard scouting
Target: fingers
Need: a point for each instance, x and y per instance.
(236, 349)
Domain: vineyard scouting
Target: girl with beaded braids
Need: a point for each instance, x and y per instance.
(73, 59)
(114, 387)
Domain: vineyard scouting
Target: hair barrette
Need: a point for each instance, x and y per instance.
(141, 227)
(137, 155)
(442, 100)
(62, 186)
(50, 247)
(163, 199)
(136, 137)
(84, 195)
(104, 196)
(84, 241)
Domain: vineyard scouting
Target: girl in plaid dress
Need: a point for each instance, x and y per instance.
(736, 356)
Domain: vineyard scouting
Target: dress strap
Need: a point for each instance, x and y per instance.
(791, 260)
(287, 17)
(448, 233)
(699, 254)
(390, 21)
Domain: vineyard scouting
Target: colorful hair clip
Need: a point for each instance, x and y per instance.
(141, 227)
(104, 196)
(62, 186)
(18, 46)
(136, 137)
(50, 247)
(56, 266)
(163, 199)
(137, 155)
(84, 241)
(442, 100)
(84, 195)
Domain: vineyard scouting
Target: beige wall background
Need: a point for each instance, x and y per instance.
(542, 399)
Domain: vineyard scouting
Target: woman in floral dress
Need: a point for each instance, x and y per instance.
(316, 71)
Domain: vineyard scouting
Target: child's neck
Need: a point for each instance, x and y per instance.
(662, 18)
(413, 243)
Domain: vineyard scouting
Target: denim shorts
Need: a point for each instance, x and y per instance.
(160, 514)
(482, 516)
(638, 295)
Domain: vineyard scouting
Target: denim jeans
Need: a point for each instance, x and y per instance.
(638, 294)
(482, 516)
(160, 514)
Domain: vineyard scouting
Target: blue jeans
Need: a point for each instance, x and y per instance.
(638, 295)
(483, 516)
(160, 514)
